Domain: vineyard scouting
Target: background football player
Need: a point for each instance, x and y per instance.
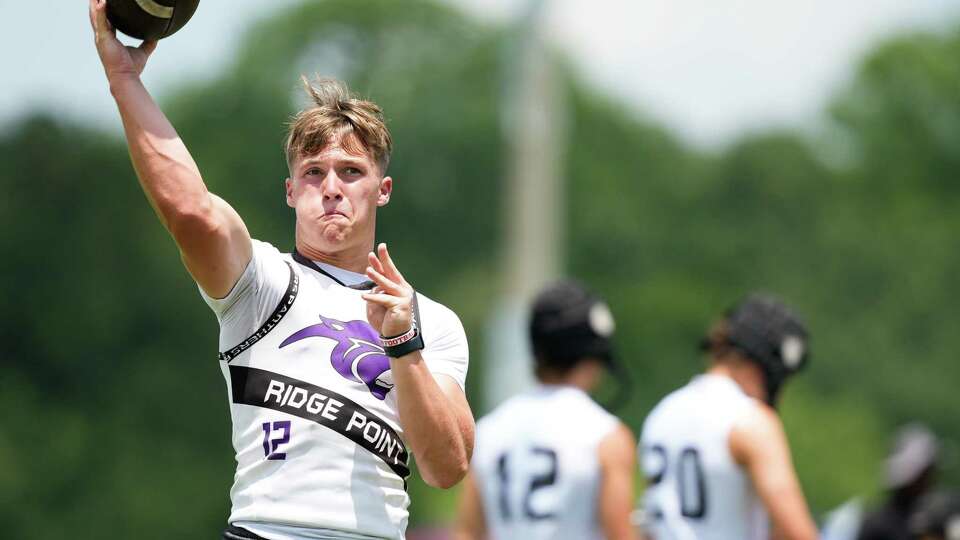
(910, 472)
(714, 452)
(336, 370)
(936, 517)
(551, 463)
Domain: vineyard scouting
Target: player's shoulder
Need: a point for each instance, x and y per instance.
(663, 408)
(437, 315)
(594, 411)
(619, 444)
(758, 418)
(584, 417)
(434, 307)
(505, 409)
(266, 251)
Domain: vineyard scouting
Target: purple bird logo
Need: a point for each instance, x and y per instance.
(357, 355)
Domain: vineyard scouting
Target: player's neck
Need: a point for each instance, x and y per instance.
(747, 376)
(353, 259)
(584, 376)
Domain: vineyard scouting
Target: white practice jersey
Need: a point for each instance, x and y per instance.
(319, 446)
(696, 491)
(536, 465)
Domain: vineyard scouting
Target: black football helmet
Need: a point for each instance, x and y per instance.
(567, 323)
(769, 333)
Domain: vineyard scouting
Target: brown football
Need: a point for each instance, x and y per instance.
(150, 19)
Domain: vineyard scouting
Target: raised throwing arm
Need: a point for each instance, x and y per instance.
(214, 243)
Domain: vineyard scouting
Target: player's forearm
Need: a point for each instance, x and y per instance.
(169, 176)
(441, 440)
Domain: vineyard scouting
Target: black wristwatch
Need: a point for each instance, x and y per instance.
(409, 341)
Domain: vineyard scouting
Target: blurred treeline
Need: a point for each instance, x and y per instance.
(115, 422)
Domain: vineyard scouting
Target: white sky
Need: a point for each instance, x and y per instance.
(708, 69)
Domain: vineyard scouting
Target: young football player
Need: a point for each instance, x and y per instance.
(551, 463)
(336, 370)
(910, 472)
(714, 452)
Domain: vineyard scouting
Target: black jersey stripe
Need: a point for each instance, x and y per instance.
(262, 388)
(293, 288)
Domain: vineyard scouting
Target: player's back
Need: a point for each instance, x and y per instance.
(536, 465)
(696, 490)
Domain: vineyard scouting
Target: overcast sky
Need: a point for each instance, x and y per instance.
(709, 70)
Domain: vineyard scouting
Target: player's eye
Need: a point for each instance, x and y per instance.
(313, 171)
(352, 171)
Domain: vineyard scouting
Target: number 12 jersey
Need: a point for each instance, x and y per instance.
(536, 465)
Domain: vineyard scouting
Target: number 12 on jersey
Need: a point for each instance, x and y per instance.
(275, 435)
(531, 483)
(686, 472)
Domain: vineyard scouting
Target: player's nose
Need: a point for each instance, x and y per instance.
(332, 187)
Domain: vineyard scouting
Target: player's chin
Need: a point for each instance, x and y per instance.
(335, 233)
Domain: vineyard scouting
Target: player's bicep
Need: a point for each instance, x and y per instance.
(447, 352)
(617, 457)
(215, 248)
(760, 445)
(461, 408)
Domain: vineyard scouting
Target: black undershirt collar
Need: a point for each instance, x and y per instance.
(362, 286)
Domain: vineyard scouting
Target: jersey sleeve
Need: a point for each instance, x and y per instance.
(253, 298)
(445, 343)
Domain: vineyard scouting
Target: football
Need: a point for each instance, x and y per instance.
(150, 19)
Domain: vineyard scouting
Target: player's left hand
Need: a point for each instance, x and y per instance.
(390, 304)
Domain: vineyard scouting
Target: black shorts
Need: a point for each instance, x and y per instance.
(239, 533)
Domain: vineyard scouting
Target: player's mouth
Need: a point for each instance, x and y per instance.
(333, 214)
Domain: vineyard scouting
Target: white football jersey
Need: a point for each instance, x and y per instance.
(536, 466)
(319, 446)
(696, 491)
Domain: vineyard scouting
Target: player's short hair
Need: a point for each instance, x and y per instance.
(335, 113)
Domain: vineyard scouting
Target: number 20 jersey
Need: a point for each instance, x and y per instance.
(696, 490)
(536, 466)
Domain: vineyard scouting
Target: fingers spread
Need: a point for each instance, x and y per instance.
(375, 262)
(385, 283)
(391, 269)
(384, 300)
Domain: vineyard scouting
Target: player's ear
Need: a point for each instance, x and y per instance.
(289, 186)
(386, 188)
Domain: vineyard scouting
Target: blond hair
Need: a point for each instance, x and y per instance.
(334, 115)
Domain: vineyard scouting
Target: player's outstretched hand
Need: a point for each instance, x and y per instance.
(390, 304)
(118, 60)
